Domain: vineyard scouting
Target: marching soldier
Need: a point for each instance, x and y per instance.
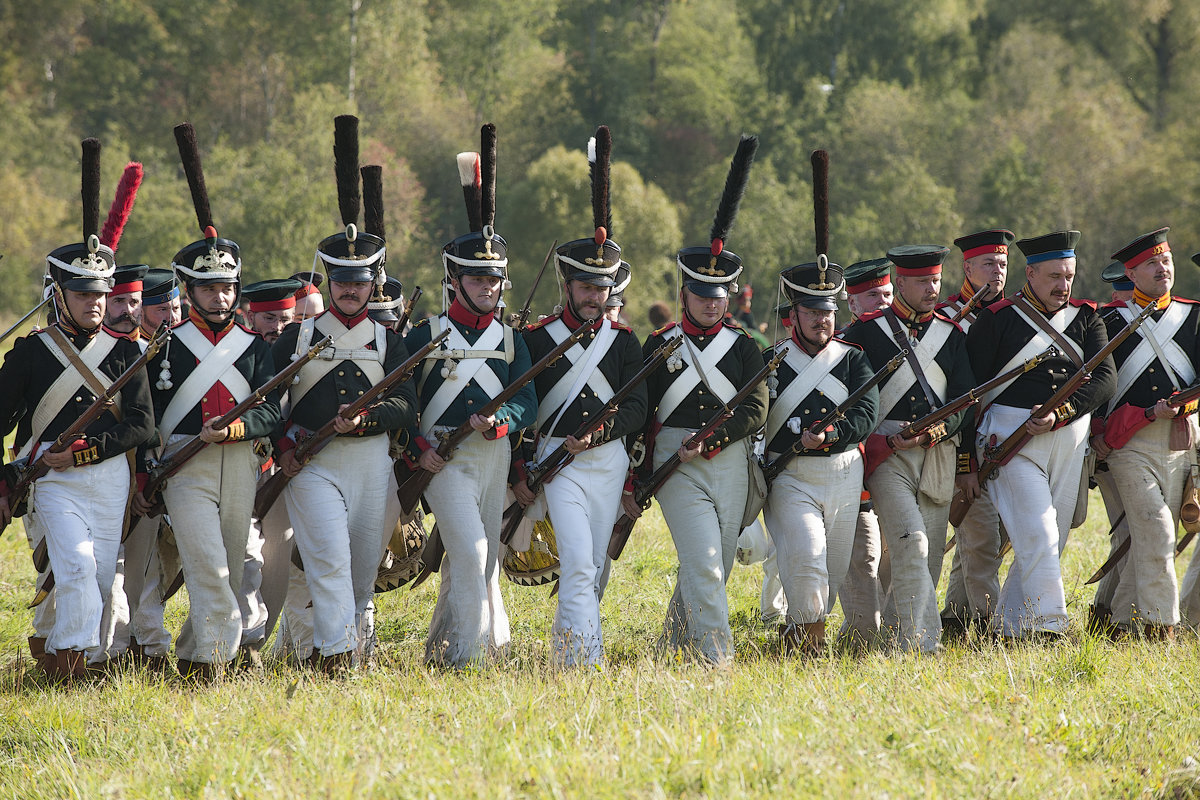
(1148, 442)
(210, 365)
(704, 500)
(868, 288)
(78, 507)
(475, 363)
(145, 583)
(1110, 613)
(336, 501)
(812, 508)
(974, 583)
(1035, 492)
(914, 480)
(584, 497)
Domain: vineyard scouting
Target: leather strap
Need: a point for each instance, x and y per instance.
(1064, 344)
(903, 342)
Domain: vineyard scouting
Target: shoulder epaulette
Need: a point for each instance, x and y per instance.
(999, 304)
(533, 326)
(736, 326)
(621, 326)
(1115, 304)
(1186, 300)
(939, 315)
(247, 330)
(855, 345)
(870, 315)
(664, 329)
(1082, 303)
(420, 322)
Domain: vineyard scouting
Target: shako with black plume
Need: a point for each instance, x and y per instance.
(390, 296)
(481, 251)
(595, 259)
(85, 266)
(712, 271)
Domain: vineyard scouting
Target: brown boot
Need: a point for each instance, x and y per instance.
(337, 665)
(45, 661)
(814, 639)
(71, 665)
(197, 671)
(1100, 620)
(249, 657)
(1160, 633)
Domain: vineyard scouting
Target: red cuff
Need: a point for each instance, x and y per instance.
(497, 431)
(285, 444)
(423, 444)
(628, 488)
(142, 479)
(522, 472)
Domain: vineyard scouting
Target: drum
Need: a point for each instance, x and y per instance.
(538, 565)
(402, 559)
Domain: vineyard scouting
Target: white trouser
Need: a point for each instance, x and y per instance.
(1150, 478)
(860, 592)
(80, 512)
(1119, 586)
(276, 554)
(250, 599)
(467, 497)
(914, 527)
(1035, 494)
(144, 585)
(583, 501)
(295, 637)
(812, 511)
(1189, 591)
(973, 588)
(773, 602)
(703, 502)
(209, 502)
(336, 504)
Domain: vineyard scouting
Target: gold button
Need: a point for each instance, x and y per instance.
(1054, 386)
(470, 402)
(341, 391)
(702, 338)
(1154, 388)
(360, 392)
(78, 399)
(231, 400)
(358, 374)
(585, 413)
(822, 411)
(340, 373)
(204, 400)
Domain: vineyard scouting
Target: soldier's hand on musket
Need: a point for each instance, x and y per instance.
(1037, 425)
(630, 505)
(812, 441)
(482, 424)
(686, 454)
(343, 425)
(968, 484)
(524, 496)
(577, 446)
(142, 505)
(213, 435)
(1164, 410)
(59, 461)
(430, 461)
(290, 465)
(898, 442)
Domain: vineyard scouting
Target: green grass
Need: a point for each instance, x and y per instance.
(1087, 719)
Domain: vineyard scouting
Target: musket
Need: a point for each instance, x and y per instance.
(972, 397)
(306, 449)
(31, 472)
(417, 481)
(997, 456)
(173, 461)
(975, 302)
(540, 472)
(517, 319)
(408, 309)
(1115, 557)
(644, 492)
(773, 468)
(21, 321)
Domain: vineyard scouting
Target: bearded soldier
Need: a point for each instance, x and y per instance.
(914, 481)
(704, 500)
(584, 497)
(336, 500)
(1035, 491)
(210, 365)
(1148, 442)
(812, 509)
(973, 587)
(479, 358)
(50, 379)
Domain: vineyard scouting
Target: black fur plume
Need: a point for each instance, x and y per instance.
(372, 192)
(189, 154)
(601, 208)
(487, 174)
(601, 143)
(90, 187)
(345, 165)
(820, 165)
(735, 187)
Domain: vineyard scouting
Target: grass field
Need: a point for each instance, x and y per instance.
(1087, 719)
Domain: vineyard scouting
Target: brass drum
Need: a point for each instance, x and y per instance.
(538, 565)
(402, 560)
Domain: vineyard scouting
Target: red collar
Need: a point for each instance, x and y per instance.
(463, 316)
(349, 322)
(692, 329)
(574, 322)
(205, 327)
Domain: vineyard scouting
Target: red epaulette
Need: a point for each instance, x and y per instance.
(533, 326)
(855, 345)
(1114, 304)
(938, 315)
(620, 326)
(999, 305)
(870, 315)
(736, 327)
(247, 330)
(664, 329)
(1082, 303)
(1186, 300)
